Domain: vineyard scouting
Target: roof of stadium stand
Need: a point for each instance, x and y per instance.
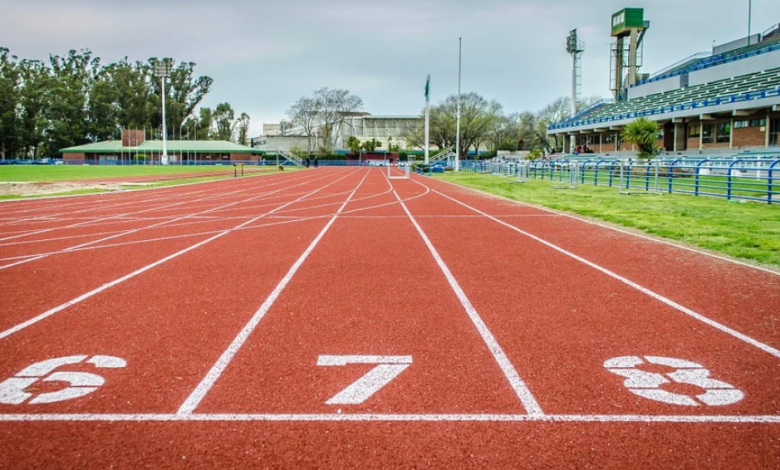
(155, 146)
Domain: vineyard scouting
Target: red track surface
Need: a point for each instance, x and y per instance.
(233, 302)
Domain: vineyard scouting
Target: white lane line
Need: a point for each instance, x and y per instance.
(377, 417)
(645, 237)
(163, 223)
(284, 220)
(135, 273)
(219, 367)
(725, 329)
(520, 388)
(165, 206)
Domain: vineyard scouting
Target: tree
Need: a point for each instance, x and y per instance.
(224, 120)
(354, 145)
(304, 113)
(504, 133)
(242, 129)
(370, 146)
(478, 116)
(323, 113)
(9, 100)
(643, 133)
(332, 108)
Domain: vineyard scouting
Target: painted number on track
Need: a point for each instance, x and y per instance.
(12, 391)
(388, 368)
(648, 384)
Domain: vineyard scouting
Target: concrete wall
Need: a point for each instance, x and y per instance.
(734, 69)
(272, 143)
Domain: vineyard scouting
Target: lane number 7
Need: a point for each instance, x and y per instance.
(388, 368)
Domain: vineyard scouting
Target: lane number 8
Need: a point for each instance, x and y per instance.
(648, 384)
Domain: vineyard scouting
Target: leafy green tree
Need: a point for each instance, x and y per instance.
(242, 129)
(643, 133)
(224, 120)
(9, 100)
(370, 146)
(354, 145)
(34, 99)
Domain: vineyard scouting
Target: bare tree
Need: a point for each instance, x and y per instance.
(323, 113)
(333, 107)
(304, 113)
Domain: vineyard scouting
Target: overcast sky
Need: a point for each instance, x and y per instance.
(263, 55)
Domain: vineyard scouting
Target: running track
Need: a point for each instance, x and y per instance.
(337, 318)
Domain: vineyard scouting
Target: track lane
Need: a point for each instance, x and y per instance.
(190, 308)
(562, 320)
(375, 313)
(739, 296)
(70, 274)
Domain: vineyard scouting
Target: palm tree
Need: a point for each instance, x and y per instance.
(644, 134)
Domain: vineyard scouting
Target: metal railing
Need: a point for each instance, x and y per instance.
(735, 178)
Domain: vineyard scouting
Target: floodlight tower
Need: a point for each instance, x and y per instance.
(627, 23)
(576, 48)
(163, 70)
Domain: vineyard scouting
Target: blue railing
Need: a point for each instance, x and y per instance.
(737, 178)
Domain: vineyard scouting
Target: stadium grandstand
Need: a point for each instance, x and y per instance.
(134, 148)
(706, 103)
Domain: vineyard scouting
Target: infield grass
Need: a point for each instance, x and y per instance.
(745, 230)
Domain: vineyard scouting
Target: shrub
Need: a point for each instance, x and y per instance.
(643, 133)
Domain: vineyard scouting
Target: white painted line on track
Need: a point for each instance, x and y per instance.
(285, 220)
(719, 326)
(219, 367)
(356, 417)
(165, 222)
(645, 237)
(517, 384)
(135, 273)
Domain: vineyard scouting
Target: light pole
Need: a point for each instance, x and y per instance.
(163, 70)
(750, 18)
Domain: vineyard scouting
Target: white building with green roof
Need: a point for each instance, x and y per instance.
(134, 148)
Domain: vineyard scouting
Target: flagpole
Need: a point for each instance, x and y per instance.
(427, 116)
(457, 129)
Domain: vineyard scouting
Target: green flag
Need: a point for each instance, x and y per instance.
(427, 88)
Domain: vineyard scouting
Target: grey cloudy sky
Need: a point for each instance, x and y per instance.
(263, 55)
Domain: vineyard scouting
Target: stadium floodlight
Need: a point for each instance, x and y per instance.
(163, 70)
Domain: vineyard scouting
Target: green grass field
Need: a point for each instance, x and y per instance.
(749, 231)
(53, 174)
(49, 173)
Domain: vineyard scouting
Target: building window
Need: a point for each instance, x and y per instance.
(708, 133)
(740, 124)
(757, 122)
(694, 130)
(608, 139)
(724, 132)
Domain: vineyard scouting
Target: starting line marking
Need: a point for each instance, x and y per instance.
(328, 417)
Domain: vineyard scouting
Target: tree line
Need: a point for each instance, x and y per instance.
(74, 99)
(484, 123)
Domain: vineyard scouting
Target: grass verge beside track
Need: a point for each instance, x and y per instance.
(749, 231)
